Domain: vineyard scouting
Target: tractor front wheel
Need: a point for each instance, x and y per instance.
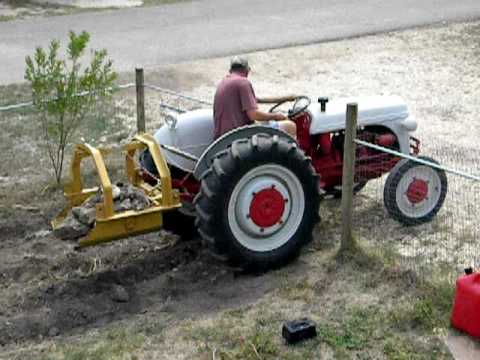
(414, 192)
(258, 202)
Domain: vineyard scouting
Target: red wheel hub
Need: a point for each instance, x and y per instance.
(267, 207)
(417, 191)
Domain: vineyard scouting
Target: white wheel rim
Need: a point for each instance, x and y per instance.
(424, 207)
(245, 231)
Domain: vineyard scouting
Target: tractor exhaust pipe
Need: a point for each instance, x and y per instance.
(323, 103)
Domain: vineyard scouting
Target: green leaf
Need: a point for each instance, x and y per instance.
(56, 84)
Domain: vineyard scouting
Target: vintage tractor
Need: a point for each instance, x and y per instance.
(255, 192)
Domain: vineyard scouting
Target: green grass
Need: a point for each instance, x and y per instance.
(230, 343)
(428, 309)
(404, 326)
(57, 9)
(18, 2)
(7, 17)
(409, 348)
(302, 289)
(238, 312)
(31, 4)
(354, 331)
(116, 344)
(362, 329)
(357, 332)
(350, 332)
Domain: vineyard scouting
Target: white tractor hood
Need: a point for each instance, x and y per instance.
(192, 133)
(372, 110)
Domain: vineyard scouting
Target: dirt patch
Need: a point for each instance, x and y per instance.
(75, 291)
(88, 300)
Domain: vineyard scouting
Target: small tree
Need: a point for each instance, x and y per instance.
(63, 91)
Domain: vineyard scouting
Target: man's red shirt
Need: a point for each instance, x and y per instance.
(233, 98)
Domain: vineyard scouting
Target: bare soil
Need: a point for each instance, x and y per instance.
(58, 303)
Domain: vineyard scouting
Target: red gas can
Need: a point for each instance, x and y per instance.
(466, 308)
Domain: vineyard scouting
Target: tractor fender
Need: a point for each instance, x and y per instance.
(402, 130)
(224, 141)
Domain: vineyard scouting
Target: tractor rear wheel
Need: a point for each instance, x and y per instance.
(414, 192)
(258, 202)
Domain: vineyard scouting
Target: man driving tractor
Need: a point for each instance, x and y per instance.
(236, 105)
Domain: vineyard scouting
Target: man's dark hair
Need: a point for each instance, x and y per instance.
(239, 63)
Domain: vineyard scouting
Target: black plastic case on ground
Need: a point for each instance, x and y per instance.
(298, 330)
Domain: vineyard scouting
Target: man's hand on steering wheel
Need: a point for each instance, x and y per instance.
(278, 117)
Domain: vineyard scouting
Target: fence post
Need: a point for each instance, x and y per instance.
(139, 80)
(348, 242)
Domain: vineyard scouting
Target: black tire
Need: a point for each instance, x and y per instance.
(397, 206)
(175, 221)
(180, 224)
(238, 162)
(336, 192)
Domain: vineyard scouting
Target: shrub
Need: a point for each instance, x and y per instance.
(63, 91)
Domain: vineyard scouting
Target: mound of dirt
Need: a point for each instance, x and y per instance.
(82, 218)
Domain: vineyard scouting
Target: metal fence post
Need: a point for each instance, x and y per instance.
(139, 80)
(348, 242)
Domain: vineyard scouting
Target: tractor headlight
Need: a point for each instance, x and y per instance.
(410, 124)
(171, 120)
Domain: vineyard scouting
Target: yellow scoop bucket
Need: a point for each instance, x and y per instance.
(111, 225)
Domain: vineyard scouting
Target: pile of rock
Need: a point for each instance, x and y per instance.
(82, 218)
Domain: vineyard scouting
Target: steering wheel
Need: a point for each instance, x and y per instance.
(297, 108)
(300, 105)
(274, 107)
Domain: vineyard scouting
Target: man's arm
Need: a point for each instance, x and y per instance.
(277, 99)
(257, 115)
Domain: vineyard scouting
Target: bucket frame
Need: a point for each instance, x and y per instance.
(109, 224)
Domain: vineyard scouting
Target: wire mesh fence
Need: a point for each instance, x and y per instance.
(427, 216)
(160, 102)
(22, 140)
(425, 209)
(109, 123)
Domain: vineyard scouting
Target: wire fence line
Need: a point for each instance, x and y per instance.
(116, 89)
(418, 160)
(23, 143)
(109, 123)
(424, 211)
(83, 93)
(448, 241)
(177, 94)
